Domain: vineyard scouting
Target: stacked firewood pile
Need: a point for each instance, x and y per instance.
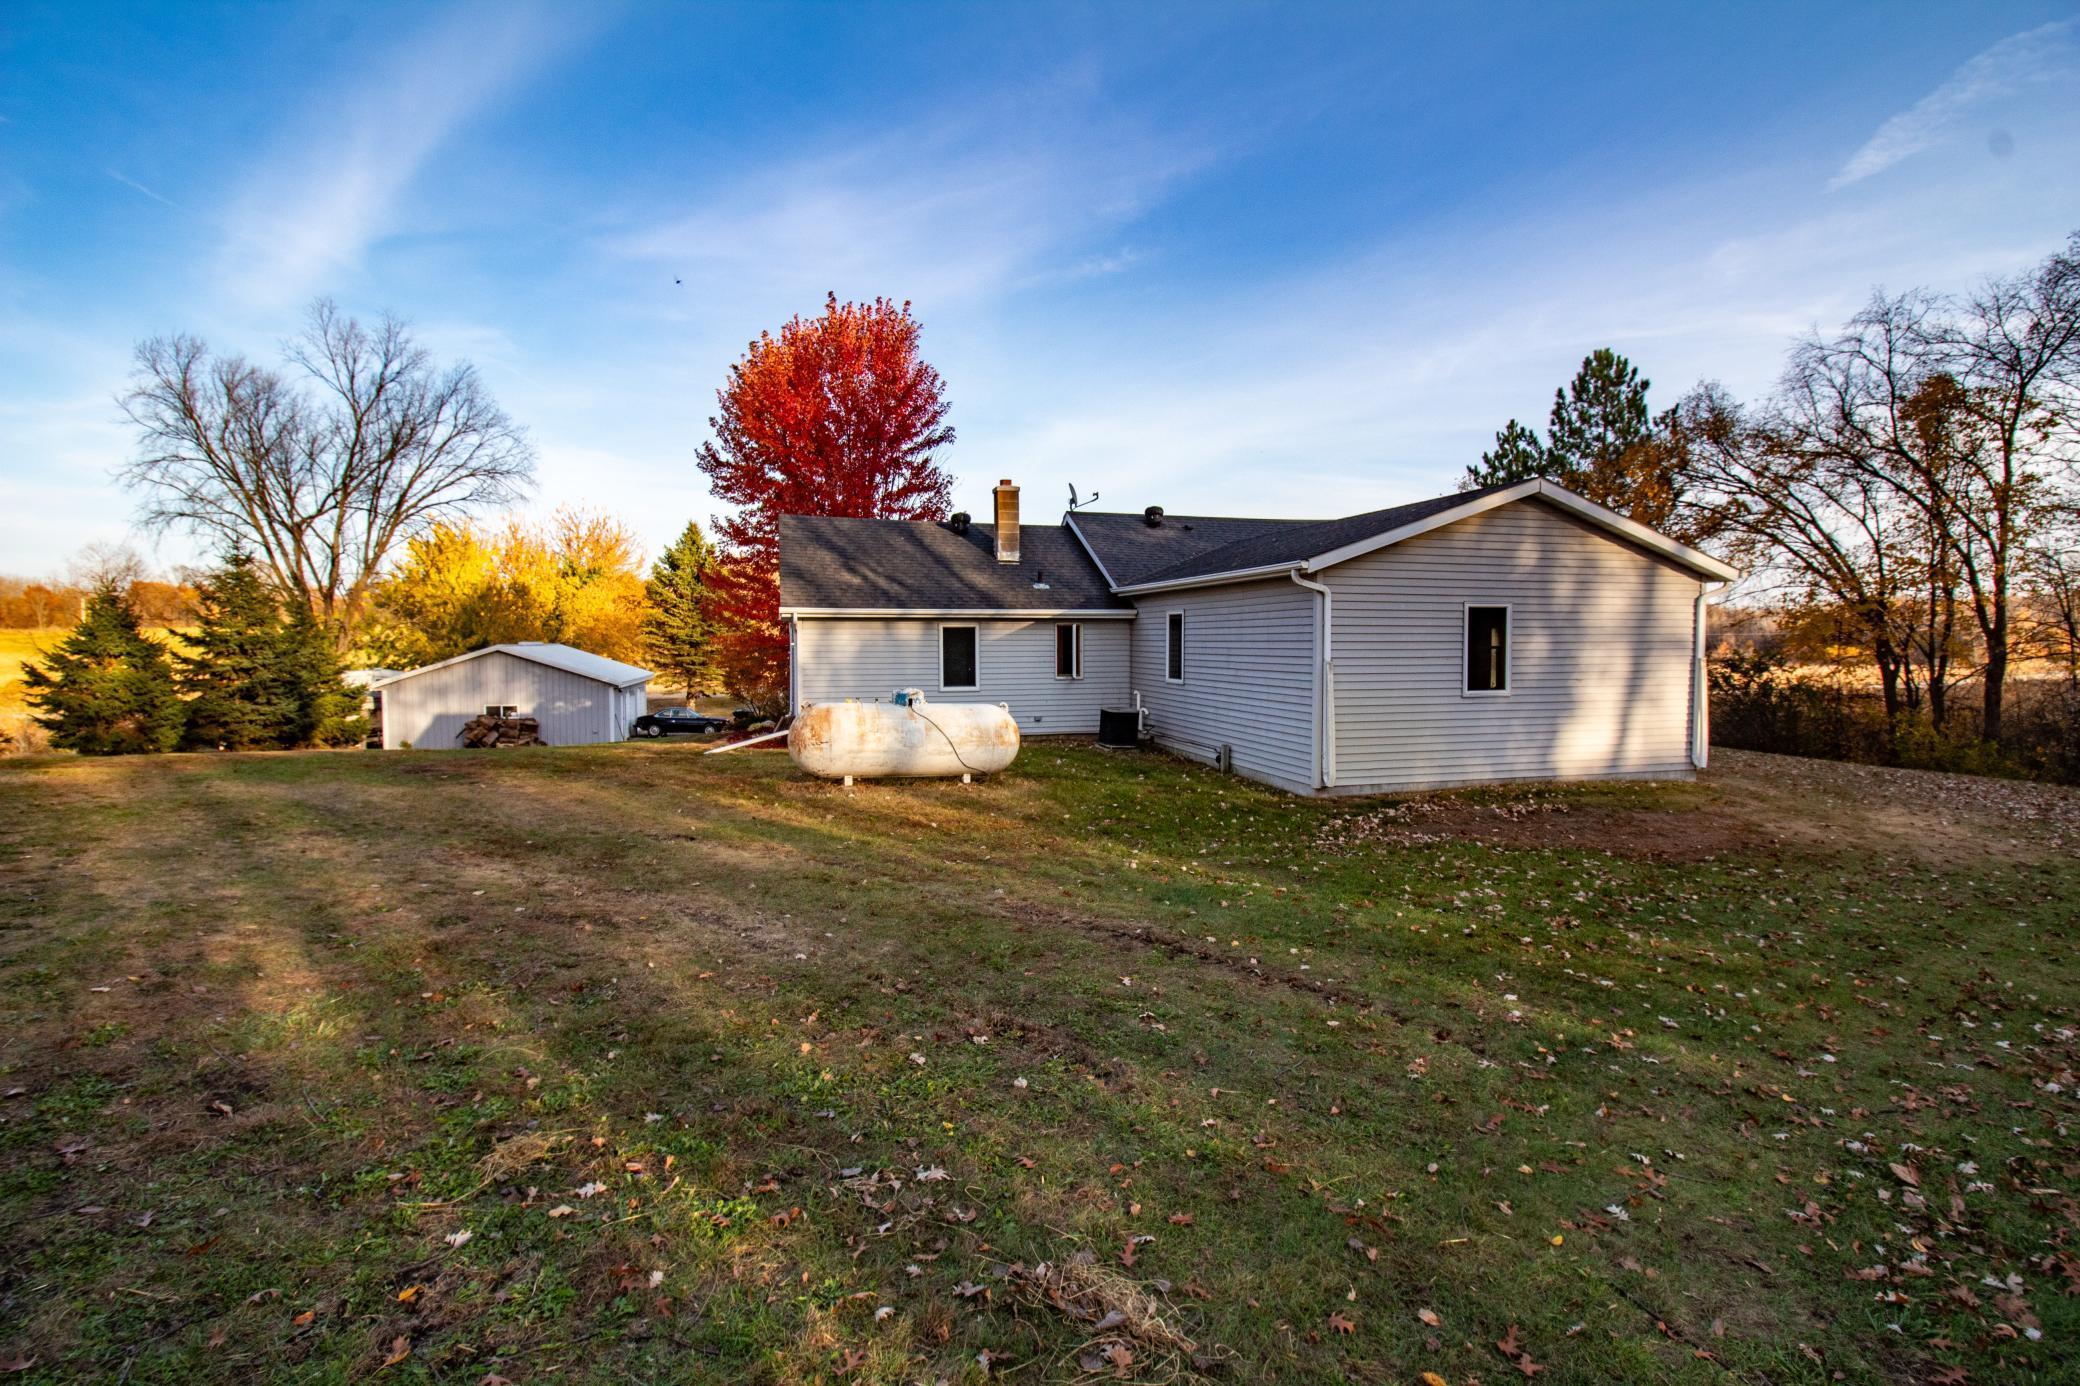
(487, 731)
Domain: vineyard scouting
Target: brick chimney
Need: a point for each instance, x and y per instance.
(1007, 521)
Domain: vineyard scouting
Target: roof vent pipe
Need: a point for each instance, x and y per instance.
(1007, 521)
(1153, 517)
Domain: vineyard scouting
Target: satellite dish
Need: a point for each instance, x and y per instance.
(1075, 500)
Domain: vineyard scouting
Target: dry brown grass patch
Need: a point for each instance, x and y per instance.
(1133, 1332)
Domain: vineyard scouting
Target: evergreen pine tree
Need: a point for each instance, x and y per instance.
(679, 627)
(1518, 456)
(235, 676)
(1597, 419)
(323, 710)
(107, 689)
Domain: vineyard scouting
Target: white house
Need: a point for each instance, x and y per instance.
(1515, 632)
(576, 697)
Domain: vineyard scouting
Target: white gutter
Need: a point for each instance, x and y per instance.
(1325, 685)
(1208, 580)
(1700, 694)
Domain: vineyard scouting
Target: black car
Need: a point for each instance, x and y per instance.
(677, 721)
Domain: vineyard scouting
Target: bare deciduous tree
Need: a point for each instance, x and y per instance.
(323, 468)
(1912, 467)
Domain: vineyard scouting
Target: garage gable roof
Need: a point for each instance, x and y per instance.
(598, 668)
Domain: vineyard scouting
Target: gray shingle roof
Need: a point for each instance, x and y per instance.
(1274, 542)
(1134, 552)
(906, 565)
(828, 563)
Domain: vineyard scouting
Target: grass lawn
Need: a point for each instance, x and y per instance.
(625, 1064)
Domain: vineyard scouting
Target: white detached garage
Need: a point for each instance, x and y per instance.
(578, 698)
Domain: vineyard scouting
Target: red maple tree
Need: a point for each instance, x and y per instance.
(837, 415)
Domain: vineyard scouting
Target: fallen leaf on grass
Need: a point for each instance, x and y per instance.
(459, 1237)
(1906, 1175)
(1509, 1347)
(400, 1348)
(409, 1293)
(1429, 1317)
(562, 1210)
(1181, 1219)
(1341, 1324)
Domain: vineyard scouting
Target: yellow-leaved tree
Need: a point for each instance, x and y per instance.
(575, 579)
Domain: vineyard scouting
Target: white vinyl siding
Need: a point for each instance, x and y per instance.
(428, 710)
(838, 658)
(1599, 656)
(1248, 677)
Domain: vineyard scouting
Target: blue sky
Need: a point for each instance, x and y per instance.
(1273, 259)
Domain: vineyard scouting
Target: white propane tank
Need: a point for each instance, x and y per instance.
(906, 737)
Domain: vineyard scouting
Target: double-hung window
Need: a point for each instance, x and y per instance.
(1487, 649)
(1068, 650)
(958, 657)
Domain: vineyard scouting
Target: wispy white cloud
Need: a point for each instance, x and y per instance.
(953, 210)
(136, 186)
(2044, 54)
(333, 184)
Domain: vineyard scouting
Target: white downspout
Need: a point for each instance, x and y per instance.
(1325, 684)
(794, 666)
(1700, 694)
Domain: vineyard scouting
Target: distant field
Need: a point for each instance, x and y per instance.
(19, 647)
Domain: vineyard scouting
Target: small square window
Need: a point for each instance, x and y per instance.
(957, 657)
(501, 710)
(1487, 649)
(1068, 651)
(1173, 668)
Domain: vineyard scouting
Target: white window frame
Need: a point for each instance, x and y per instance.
(1180, 629)
(944, 686)
(1509, 649)
(501, 710)
(1075, 651)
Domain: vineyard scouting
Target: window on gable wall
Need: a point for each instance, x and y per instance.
(1487, 649)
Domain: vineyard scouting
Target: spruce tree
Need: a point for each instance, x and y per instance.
(236, 675)
(679, 627)
(107, 689)
(323, 710)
